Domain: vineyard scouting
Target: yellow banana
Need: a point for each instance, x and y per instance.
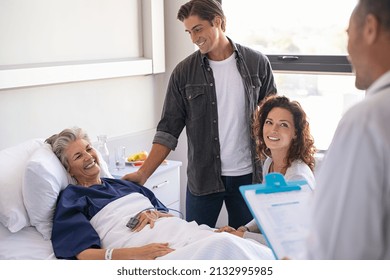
(138, 156)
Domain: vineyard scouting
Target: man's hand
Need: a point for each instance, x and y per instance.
(136, 177)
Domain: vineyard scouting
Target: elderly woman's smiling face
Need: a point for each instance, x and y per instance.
(83, 162)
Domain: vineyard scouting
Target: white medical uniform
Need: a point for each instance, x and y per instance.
(351, 217)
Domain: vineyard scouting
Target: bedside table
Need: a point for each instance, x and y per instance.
(164, 182)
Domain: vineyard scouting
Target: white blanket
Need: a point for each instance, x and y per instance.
(189, 240)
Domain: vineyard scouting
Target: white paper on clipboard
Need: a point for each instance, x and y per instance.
(282, 212)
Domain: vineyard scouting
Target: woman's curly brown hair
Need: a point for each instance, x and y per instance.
(302, 147)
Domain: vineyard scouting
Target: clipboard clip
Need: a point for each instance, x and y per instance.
(275, 182)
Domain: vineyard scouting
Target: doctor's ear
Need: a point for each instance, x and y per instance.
(371, 28)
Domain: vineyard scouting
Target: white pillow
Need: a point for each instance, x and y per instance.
(13, 161)
(44, 178)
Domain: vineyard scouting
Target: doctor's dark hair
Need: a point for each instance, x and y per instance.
(60, 142)
(204, 9)
(302, 147)
(378, 8)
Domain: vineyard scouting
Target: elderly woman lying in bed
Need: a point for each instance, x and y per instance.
(92, 217)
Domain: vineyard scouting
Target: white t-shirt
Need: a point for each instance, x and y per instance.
(233, 128)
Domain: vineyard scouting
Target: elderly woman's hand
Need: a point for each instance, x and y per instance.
(149, 252)
(146, 252)
(149, 217)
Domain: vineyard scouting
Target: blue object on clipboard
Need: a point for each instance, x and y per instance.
(275, 182)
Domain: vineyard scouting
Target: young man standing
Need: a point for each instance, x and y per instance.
(213, 93)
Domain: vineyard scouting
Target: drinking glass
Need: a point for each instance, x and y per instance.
(120, 158)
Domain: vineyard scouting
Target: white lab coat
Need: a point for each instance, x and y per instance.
(351, 214)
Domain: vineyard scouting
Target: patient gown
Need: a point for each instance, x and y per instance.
(77, 205)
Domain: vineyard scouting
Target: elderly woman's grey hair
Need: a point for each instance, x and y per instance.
(60, 142)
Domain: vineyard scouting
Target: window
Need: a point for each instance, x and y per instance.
(306, 43)
(44, 43)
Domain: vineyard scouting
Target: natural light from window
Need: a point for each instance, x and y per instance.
(303, 27)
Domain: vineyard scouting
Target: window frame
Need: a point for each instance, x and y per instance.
(301, 63)
(320, 64)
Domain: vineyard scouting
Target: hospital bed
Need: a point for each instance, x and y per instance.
(31, 179)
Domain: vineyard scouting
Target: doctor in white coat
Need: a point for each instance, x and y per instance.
(351, 217)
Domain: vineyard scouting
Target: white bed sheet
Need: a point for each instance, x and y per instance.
(26, 244)
(189, 240)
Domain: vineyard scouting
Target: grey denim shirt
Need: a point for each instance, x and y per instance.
(191, 102)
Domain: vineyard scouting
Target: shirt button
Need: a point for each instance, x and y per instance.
(211, 84)
(213, 103)
(216, 138)
(214, 121)
(217, 156)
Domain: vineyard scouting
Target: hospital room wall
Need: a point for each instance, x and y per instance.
(114, 106)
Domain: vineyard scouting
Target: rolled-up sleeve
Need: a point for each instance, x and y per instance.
(165, 139)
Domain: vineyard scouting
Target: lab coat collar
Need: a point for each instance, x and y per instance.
(380, 84)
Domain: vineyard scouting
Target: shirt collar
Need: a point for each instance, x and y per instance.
(381, 83)
(205, 60)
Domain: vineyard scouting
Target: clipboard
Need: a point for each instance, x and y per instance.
(282, 212)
